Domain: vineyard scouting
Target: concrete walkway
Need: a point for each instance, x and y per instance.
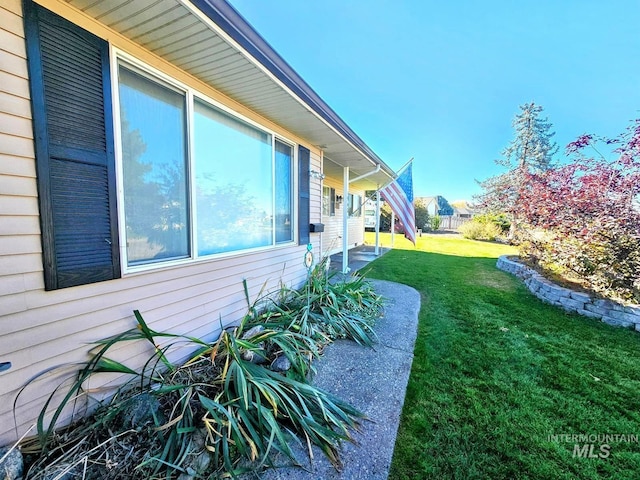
(374, 380)
(358, 258)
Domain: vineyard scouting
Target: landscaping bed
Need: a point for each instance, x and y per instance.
(579, 301)
(224, 412)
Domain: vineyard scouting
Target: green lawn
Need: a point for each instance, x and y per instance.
(497, 372)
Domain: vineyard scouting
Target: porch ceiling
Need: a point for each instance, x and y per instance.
(212, 42)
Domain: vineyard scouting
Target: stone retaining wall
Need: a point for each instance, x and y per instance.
(610, 312)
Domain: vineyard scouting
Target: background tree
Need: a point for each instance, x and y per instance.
(531, 151)
(422, 215)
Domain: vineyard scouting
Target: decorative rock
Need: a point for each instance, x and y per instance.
(583, 297)
(254, 356)
(587, 313)
(12, 465)
(63, 471)
(281, 364)
(604, 304)
(141, 409)
(199, 458)
(633, 310)
(252, 332)
(571, 304)
(616, 322)
(625, 317)
(552, 298)
(563, 292)
(197, 466)
(595, 309)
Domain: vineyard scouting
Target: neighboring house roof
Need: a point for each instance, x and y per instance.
(440, 204)
(462, 210)
(461, 207)
(212, 41)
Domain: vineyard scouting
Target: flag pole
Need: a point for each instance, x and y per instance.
(404, 166)
(393, 226)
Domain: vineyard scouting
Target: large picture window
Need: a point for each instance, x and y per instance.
(243, 176)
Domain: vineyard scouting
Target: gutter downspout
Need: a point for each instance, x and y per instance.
(345, 220)
(345, 214)
(366, 174)
(377, 250)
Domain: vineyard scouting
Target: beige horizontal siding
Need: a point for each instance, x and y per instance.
(18, 146)
(14, 264)
(19, 283)
(19, 225)
(18, 205)
(10, 21)
(14, 105)
(12, 6)
(19, 244)
(12, 44)
(15, 166)
(195, 306)
(14, 85)
(15, 126)
(18, 186)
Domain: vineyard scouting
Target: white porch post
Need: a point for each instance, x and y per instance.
(377, 250)
(393, 227)
(345, 220)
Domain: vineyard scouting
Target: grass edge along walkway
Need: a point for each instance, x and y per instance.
(501, 382)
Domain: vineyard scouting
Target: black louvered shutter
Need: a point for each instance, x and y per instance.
(75, 166)
(303, 195)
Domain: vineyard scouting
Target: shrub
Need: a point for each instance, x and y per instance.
(435, 222)
(498, 219)
(476, 230)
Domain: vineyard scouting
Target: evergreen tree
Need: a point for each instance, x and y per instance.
(532, 148)
(531, 151)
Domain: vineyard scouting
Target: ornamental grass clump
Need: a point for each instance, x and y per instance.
(222, 412)
(326, 309)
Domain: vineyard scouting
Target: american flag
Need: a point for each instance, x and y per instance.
(399, 195)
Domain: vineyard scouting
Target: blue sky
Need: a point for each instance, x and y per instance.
(442, 81)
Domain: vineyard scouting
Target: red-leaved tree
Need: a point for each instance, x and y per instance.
(584, 218)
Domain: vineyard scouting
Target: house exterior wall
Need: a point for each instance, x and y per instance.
(332, 236)
(41, 329)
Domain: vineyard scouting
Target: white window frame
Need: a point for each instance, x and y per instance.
(118, 56)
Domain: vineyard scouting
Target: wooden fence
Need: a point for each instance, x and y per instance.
(449, 222)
